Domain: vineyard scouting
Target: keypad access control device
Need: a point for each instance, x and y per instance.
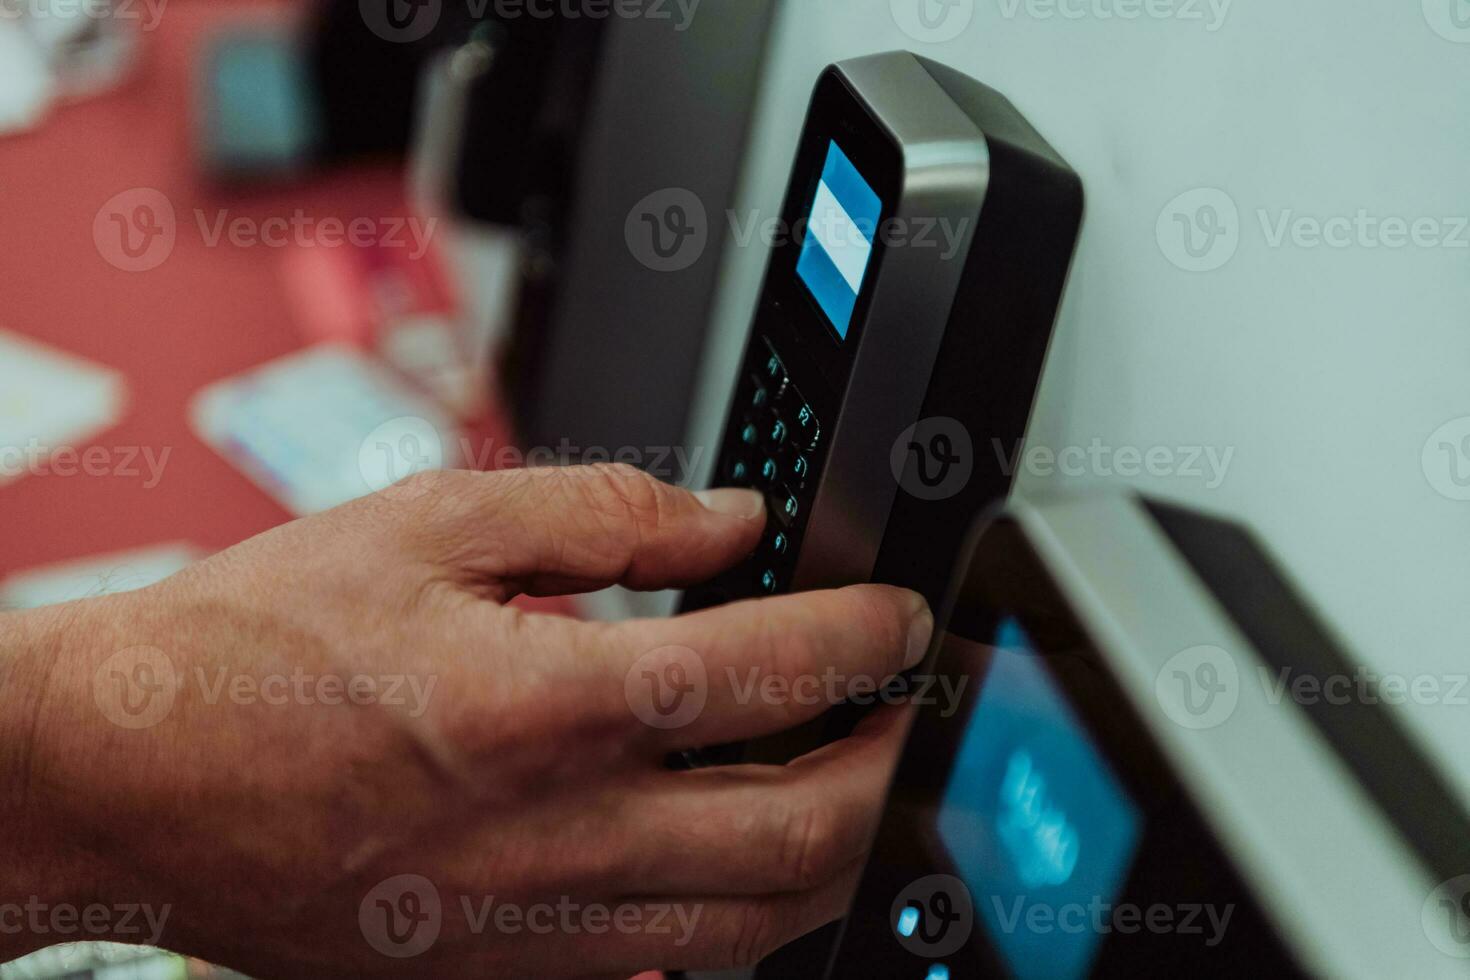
(929, 230)
(901, 329)
(899, 335)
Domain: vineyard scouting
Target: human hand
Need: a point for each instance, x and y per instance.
(336, 750)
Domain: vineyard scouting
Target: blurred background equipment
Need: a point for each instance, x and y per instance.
(1175, 777)
(606, 349)
(258, 116)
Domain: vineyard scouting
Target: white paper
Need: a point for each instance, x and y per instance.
(324, 426)
(27, 87)
(49, 400)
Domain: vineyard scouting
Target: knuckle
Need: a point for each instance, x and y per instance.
(464, 732)
(810, 852)
(877, 619)
(437, 504)
(757, 935)
(623, 496)
(788, 651)
(626, 484)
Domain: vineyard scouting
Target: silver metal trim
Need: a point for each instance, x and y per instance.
(946, 175)
(1306, 837)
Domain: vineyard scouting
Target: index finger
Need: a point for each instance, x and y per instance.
(760, 667)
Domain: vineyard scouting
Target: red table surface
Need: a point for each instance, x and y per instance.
(206, 313)
(203, 315)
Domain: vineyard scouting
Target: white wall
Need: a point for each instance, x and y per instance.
(1325, 370)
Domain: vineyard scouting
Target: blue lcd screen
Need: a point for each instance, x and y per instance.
(841, 225)
(1037, 825)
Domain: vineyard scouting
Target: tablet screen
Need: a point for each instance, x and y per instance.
(1035, 821)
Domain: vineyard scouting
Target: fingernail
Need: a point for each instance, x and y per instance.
(744, 504)
(921, 631)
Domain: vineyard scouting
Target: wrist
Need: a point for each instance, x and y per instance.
(29, 649)
(51, 750)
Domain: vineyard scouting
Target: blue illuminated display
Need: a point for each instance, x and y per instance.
(1041, 841)
(842, 225)
(1034, 817)
(908, 921)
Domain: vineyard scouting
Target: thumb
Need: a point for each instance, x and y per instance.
(564, 530)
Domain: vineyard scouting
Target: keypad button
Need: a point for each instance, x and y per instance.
(768, 582)
(776, 434)
(786, 506)
(801, 467)
(739, 472)
(780, 544)
(760, 397)
(774, 370)
(809, 430)
(769, 470)
(750, 435)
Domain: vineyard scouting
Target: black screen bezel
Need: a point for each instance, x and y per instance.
(836, 114)
(1178, 858)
